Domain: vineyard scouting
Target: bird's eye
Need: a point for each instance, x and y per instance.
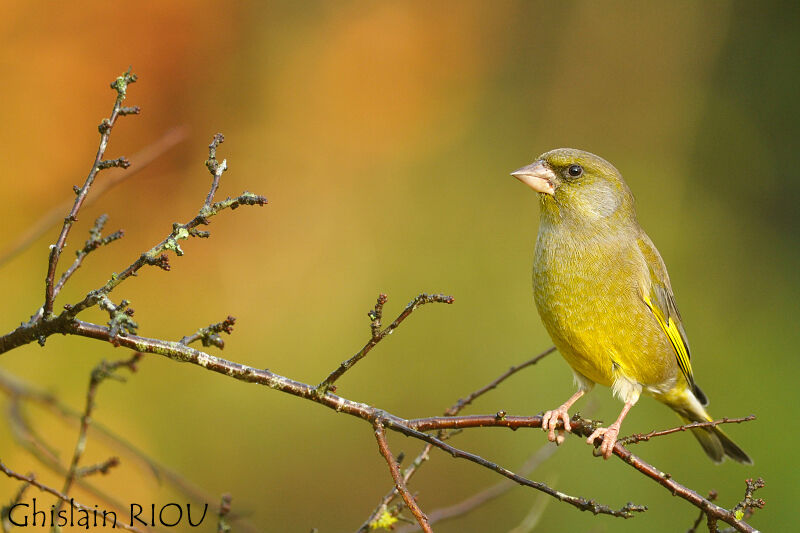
(575, 170)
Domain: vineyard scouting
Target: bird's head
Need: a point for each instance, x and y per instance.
(578, 186)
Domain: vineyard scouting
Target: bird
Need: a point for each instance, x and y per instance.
(603, 294)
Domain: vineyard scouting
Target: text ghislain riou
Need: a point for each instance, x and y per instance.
(24, 514)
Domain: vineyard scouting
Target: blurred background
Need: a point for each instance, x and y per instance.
(383, 134)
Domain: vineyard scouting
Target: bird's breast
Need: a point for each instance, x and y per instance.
(588, 296)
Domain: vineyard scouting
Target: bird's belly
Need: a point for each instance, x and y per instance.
(601, 326)
(583, 345)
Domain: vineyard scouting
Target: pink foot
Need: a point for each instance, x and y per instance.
(550, 421)
(609, 435)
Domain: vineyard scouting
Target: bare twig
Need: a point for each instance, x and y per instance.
(180, 352)
(381, 508)
(495, 491)
(712, 511)
(139, 161)
(516, 422)
(99, 468)
(209, 335)
(157, 255)
(583, 504)
(120, 85)
(30, 479)
(399, 483)
(38, 448)
(749, 503)
(101, 372)
(378, 334)
(639, 437)
(497, 420)
(121, 316)
(39, 329)
(712, 495)
(413, 428)
(463, 402)
(216, 168)
(18, 391)
(95, 241)
(583, 427)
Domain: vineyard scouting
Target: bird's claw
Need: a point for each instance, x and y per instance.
(550, 421)
(609, 435)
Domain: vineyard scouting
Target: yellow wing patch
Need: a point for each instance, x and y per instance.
(671, 329)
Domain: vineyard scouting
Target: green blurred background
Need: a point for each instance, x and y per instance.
(383, 134)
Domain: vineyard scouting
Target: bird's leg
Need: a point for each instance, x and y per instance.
(550, 418)
(610, 433)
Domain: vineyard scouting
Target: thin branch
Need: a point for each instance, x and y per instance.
(30, 479)
(453, 410)
(378, 334)
(493, 492)
(712, 495)
(463, 402)
(381, 511)
(96, 240)
(120, 85)
(714, 512)
(42, 325)
(99, 468)
(100, 373)
(516, 422)
(639, 437)
(35, 445)
(18, 391)
(121, 316)
(749, 502)
(580, 503)
(497, 420)
(140, 161)
(181, 352)
(216, 168)
(399, 483)
(585, 428)
(209, 335)
(156, 256)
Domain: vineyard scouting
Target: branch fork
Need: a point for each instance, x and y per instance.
(375, 315)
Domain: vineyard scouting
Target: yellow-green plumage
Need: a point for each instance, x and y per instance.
(604, 294)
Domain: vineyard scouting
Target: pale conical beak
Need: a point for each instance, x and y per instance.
(538, 177)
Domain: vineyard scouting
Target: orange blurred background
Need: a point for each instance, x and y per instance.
(383, 134)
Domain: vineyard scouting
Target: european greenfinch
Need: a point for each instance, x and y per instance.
(604, 295)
